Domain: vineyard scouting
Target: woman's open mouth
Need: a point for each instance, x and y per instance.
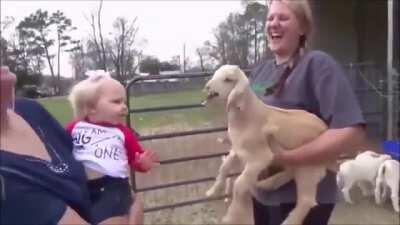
(275, 37)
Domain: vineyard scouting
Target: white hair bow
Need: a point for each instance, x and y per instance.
(97, 74)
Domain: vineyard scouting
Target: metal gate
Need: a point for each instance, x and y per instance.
(175, 134)
(369, 83)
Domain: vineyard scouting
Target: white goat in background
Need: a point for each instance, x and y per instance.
(388, 177)
(256, 131)
(362, 170)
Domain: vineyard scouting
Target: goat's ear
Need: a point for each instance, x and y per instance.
(235, 98)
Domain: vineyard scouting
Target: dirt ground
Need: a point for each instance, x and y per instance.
(364, 212)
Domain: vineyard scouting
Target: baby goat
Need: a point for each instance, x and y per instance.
(388, 177)
(256, 131)
(362, 170)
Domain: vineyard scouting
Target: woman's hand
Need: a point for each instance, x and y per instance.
(147, 160)
(7, 85)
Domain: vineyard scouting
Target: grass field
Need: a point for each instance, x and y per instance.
(61, 110)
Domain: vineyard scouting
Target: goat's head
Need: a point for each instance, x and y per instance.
(227, 85)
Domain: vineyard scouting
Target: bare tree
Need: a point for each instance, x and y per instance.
(78, 60)
(206, 61)
(6, 22)
(101, 35)
(200, 53)
(121, 51)
(93, 39)
(63, 27)
(97, 37)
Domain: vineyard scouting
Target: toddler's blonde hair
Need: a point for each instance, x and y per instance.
(85, 93)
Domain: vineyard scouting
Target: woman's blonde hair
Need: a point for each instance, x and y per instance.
(85, 93)
(302, 10)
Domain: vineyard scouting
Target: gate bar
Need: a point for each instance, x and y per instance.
(165, 108)
(180, 183)
(191, 158)
(181, 133)
(180, 204)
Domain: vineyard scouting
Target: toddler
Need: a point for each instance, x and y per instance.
(106, 147)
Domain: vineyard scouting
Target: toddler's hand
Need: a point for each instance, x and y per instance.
(147, 160)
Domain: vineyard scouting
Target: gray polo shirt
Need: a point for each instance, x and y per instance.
(318, 85)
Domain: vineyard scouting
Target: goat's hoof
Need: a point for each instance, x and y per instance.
(266, 186)
(236, 219)
(287, 222)
(227, 220)
(223, 140)
(211, 192)
(368, 194)
(215, 189)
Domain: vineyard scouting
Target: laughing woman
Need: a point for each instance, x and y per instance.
(311, 81)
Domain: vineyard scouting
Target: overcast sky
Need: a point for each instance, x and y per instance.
(166, 25)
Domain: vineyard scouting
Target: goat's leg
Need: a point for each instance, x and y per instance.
(276, 180)
(346, 194)
(379, 186)
(228, 188)
(223, 172)
(384, 192)
(394, 191)
(228, 185)
(307, 179)
(347, 184)
(240, 210)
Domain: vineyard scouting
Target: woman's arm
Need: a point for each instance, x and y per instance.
(327, 147)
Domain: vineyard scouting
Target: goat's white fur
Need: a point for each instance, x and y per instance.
(362, 170)
(256, 131)
(388, 177)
